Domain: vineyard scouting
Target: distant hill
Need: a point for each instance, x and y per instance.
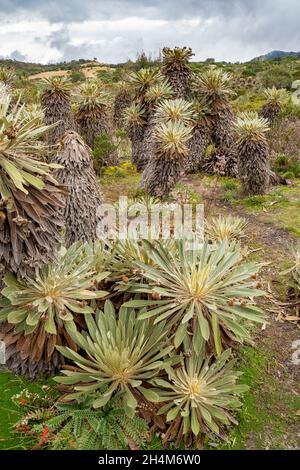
(277, 55)
(28, 68)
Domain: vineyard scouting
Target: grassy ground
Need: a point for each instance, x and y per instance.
(269, 418)
(12, 400)
(270, 415)
(281, 206)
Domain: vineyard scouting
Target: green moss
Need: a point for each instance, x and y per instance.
(257, 201)
(252, 363)
(288, 219)
(281, 207)
(286, 165)
(228, 196)
(183, 194)
(266, 410)
(230, 185)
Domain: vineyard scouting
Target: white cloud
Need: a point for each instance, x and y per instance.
(30, 38)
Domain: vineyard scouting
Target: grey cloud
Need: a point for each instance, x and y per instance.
(17, 55)
(78, 10)
(53, 10)
(227, 29)
(14, 55)
(119, 48)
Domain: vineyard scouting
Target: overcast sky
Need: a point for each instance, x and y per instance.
(114, 31)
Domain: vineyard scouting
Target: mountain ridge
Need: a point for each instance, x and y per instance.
(277, 54)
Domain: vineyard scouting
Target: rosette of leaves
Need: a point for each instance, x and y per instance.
(122, 353)
(200, 396)
(225, 228)
(20, 147)
(55, 294)
(123, 257)
(213, 88)
(42, 309)
(178, 110)
(205, 294)
(142, 80)
(157, 92)
(274, 99)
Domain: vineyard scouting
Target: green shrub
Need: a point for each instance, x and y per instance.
(288, 166)
(103, 147)
(77, 76)
(254, 201)
(230, 185)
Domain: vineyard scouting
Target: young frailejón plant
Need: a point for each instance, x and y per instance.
(199, 396)
(124, 354)
(176, 69)
(84, 198)
(41, 310)
(56, 102)
(225, 228)
(253, 151)
(167, 163)
(30, 198)
(205, 294)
